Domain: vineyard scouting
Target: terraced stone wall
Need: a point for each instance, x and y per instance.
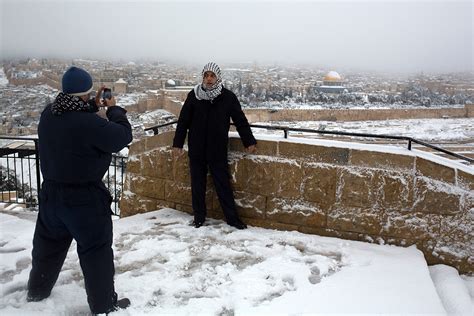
(340, 192)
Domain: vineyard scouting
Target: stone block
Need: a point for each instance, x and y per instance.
(288, 178)
(161, 140)
(148, 187)
(250, 205)
(178, 193)
(372, 159)
(295, 212)
(184, 208)
(435, 171)
(394, 190)
(157, 164)
(314, 153)
(131, 204)
(256, 176)
(264, 147)
(216, 214)
(411, 226)
(356, 188)
(465, 180)
(358, 220)
(319, 185)
(137, 147)
(181, 171)
(134, 165)
(438, 252)
(436, 198)
(456, 238)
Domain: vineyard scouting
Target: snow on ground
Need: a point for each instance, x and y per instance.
(433, 130)
(453, 291)
(166, 266)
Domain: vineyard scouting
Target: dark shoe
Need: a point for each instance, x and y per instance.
(30, 297)
(238, 225)
(123, 303)
(197, 223)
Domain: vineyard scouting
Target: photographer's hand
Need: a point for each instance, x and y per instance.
(109, 102)
(98, 95)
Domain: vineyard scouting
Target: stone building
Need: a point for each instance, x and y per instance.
(332, 83)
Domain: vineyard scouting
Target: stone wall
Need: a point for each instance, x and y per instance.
(396, 198)
(265, 115)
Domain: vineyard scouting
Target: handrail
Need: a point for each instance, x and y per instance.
(118, 161)
(19, 138)
(287, 129)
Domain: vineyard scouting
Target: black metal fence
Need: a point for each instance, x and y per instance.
(20, 175)
(286, 130)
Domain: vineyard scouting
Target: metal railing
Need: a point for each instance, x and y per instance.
(287, 129)
(20, 175)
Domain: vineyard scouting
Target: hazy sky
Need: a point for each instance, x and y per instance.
(397, 35)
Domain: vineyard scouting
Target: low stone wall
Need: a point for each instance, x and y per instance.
(291, 115)
(399, 199)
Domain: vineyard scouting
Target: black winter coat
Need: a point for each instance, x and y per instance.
(76, 147)
(208, 124)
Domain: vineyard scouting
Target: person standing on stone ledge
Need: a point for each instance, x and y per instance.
(205, 119)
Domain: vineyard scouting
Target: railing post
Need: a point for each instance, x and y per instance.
(409, 144)
(286, 132)
(38, 175)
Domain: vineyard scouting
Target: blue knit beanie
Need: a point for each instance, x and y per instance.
(77, 81)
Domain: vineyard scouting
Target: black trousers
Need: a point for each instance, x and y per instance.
(221, 177)
(81, 212)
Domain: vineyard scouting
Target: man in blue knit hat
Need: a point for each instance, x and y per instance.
(205, 119)
(75, 147)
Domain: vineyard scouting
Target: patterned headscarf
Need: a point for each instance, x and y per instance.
(203, 93)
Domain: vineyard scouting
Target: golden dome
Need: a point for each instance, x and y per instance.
(332, 76)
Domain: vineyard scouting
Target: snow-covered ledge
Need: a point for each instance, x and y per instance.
(363, 192)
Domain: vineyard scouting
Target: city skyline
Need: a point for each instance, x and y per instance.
(391, 36)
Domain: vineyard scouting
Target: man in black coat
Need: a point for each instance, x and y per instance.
(75, 146)
(205, 118)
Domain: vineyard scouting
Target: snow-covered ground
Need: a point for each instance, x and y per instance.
(434, 130)
(167, 267)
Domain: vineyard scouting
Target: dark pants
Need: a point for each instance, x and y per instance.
(81, 212)
(221, 177)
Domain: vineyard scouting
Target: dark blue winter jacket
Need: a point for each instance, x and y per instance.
(76, 147)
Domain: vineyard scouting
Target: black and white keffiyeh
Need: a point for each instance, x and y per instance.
(66, 102)
(209, 94)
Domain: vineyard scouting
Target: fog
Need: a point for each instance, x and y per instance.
(389, 36)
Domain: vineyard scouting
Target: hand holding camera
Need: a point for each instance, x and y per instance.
(104, 97)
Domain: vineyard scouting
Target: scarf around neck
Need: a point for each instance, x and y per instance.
(209, 94)
(67, 103)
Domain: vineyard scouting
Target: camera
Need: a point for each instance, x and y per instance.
(107, 94)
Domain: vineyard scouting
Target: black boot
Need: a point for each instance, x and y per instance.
(122, 303)
(198, 223)
(238, 224)
(36, 297)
